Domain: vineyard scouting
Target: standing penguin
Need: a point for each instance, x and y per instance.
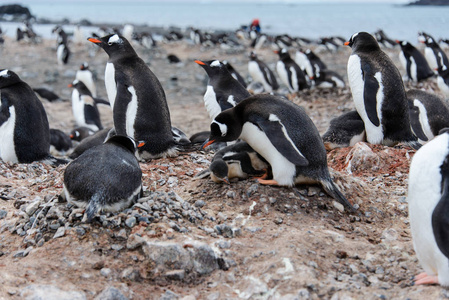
(309, 62)
(290, 73)
(378, 93)
(414, 62)
(85, 75)
(260, 72)
(138, 100)
(428, 199)
(223, 91)
(234, 73)
(24, 129)
(428, 114)
(283, 134)
(434, 54)
(62, 54)
(104, 178)
(443, 80)
(84, 107)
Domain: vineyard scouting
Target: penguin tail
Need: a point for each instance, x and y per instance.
(53, 161)
(335, 193)
(413, 144)
(93, 207)
(188, 147)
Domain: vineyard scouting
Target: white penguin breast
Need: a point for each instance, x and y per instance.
(423, 119)
(7, 147)
(111, 85)
(430, 57)
(257, 75)
(413, 69)
(86, 77)
(131, 112)
(443, 86)
(403, 60)
(78, 108)
(283, 170)
(60, 53)
(374, 134)
(283, 75)
(304, 63)
(424, 193)
(210, 101)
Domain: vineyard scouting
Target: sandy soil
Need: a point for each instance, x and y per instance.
(291, 243)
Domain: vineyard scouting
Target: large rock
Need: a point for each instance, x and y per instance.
(49, 292)
(362, 158)
(14, 12)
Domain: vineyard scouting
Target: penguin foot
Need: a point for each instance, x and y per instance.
(423, 278)
(267, 182)
(263, 176)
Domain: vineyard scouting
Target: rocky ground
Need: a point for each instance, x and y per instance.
(191, 238)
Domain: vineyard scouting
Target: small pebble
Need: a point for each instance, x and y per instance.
(59, 233)
(131, 222)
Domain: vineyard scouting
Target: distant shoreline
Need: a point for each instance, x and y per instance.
(429, 2)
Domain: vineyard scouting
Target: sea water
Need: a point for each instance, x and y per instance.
(310, 20)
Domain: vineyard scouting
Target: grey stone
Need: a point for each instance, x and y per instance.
(59, 233)
(106, 272)
(49, 292)
(175, 274)
(168, 255)
(199, 203)
(131, 274)
(134, 241)
(110, 293)
(32, 207)
(3, 214)
(169, 295)
(204, 259)
(131, 222)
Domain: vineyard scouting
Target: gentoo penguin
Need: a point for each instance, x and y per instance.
(128, 31)
(378, 93)
(85, 75)
(434, 54)
(344, 131)
(97, 138)
(104, 178)
(328, 79)
(428, 114)
(173, 59)
(234, 73)
(62, 54)
(84, 107)
(260, 72)
(62, 35)
(283, 134)
(47, 94)
(238, 160)
(80, 133)
(384, 40)
(428, 204)
(24, 129)
(138, 100)
(443, 81)
(223, 91)
(59, 141)
(290, 73)
(309, 62)
(414, 62)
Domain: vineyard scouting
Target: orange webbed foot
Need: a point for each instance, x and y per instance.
(267, 182)
(423, 278)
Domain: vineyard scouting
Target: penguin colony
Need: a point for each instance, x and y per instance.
(277, 142)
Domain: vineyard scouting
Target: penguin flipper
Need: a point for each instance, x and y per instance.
(370, 90)
(101, 101)
(440, 215)
(415, 124)
(278, 136)
(92, 116)
(93, 207)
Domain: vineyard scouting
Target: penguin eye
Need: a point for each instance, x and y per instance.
(110, 44)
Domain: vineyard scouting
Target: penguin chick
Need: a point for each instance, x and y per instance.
(60, 141)
(283, 134)
(344, 131)
(238, 160)
(104, 178)
(80, 133)
(428, 203)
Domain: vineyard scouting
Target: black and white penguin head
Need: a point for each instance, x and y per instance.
(80, 86)
(362, 41)
(84, 66)
(225, 127)
(114, 45)
(7, 78)
(213, 67)
(405, 45)
(283, 54)
(219, 171)
(252, 55)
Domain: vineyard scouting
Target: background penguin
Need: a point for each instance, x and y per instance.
(260, 72)
(309, 62)
(234, 73)
(85, 75)
(84, 107)
(62, 37)
(138, 100)
(428, 114)
(344, 131)
(378, 93)
(384, 40)
(223, 91)
(47, 94)
(428, 203)
(238, 160)
(59, 141)
(414, 62)
(434, 54)
(62, 54)
(104, 178)
(328, 79)
(290, 73)
(443, 81)
(24, 129)
(283, 134)
(80, 133)
(91, 141)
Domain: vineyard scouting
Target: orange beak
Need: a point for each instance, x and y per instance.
(346, 44)
(200, 62)
(141, 144)
(70, 85)
(207, 143)
(94, 40)
(72, 136)
(276, 51)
